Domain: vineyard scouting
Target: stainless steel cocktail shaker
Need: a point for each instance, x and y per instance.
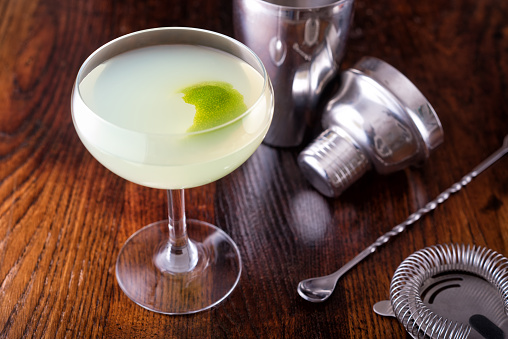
(377, 119)
(301, 44)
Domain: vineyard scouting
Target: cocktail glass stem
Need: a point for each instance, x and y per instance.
(180, 254)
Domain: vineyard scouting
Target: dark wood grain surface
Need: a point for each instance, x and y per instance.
(64, 217)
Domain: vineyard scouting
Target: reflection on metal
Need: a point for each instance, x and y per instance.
(311, 35)
(278, 51)
(301, 43)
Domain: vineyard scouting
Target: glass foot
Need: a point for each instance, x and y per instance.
(213, 276)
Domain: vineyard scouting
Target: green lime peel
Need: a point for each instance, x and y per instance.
(216, 103)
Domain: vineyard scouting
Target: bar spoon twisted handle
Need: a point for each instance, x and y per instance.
(321, 288)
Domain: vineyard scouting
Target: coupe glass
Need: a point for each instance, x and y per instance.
(174, 266)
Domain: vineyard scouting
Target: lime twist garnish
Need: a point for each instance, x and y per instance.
(216, 103)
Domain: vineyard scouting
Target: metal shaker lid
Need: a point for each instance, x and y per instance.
(377, 119)
(408, 95)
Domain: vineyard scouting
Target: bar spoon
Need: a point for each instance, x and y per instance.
(319, 289)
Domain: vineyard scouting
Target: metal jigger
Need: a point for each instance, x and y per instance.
(378, 119)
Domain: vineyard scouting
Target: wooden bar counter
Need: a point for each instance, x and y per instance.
(64, 217)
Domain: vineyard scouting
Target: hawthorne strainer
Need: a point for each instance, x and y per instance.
(451, 291)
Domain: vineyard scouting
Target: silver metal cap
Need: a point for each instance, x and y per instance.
(333, 162)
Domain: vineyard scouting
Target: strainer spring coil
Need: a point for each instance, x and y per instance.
(407, 303)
